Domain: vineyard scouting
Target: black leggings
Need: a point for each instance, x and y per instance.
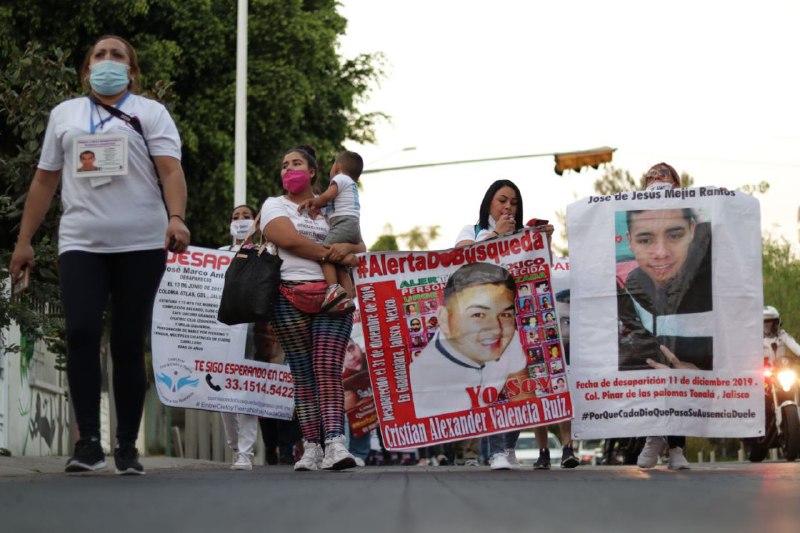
(87, 281)
(674, 441)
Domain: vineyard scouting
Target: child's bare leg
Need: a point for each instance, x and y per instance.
(329, 272)
(343, 278)
(339, 296)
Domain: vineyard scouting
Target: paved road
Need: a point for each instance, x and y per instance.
(201, 496)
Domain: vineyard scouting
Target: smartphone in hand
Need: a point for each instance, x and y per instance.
(22, 284)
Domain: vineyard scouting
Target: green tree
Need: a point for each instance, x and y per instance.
(416, 238)
(300, 90)
(385, 243)
(781, 275)
(34, 82)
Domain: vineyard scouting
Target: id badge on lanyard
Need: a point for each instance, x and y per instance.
(100, 156)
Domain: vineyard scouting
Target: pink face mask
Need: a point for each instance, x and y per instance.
(296, 181)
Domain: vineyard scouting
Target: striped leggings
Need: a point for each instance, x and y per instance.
(314, 346)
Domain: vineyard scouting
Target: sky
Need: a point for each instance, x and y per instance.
(710, 87)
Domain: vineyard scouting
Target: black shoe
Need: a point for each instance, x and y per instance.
(543, 462)
(88, 456)
(126, 457)
(568, 459)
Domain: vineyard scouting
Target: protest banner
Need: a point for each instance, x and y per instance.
(359, 405)
(462, 342)
(666, 320)
(199, 362)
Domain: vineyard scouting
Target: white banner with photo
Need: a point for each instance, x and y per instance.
(666, 314)
(199, 362)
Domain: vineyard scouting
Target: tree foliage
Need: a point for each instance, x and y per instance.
(416, 238)
(781, 273)
(300, 90)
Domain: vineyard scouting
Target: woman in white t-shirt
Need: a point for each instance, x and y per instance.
(500, 214)
(314, 342)
(113, 236)
(241, 430)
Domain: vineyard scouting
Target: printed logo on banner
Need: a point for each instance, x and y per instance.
(176, 380)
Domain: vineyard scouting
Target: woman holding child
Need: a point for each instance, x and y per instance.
(314, 342)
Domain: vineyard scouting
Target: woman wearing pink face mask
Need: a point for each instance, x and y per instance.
(314, 342)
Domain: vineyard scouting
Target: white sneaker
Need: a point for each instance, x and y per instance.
(499, 461)
(653, 446)
(677, 461)
(242, 461)
(312, 457)
(511, 455)
(472, 462)
(336, 455)
(359, 461)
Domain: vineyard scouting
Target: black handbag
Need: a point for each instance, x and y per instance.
(251, 283)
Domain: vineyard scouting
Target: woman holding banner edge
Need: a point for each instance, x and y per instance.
(501, 214)
(662, 176)
(314, 342)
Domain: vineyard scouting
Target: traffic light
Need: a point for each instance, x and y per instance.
(586, 158)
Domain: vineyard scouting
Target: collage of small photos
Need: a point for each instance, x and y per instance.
(422, 322)
(538, 331)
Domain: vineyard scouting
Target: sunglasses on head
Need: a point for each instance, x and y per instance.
(655, 174)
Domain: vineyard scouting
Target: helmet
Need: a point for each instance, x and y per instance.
(770, 313)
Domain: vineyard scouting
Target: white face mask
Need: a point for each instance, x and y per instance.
(660, 186)
(240, 228)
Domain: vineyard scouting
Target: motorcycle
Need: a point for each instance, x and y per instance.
(782, 414)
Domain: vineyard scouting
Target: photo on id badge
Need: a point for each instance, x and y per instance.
(99, 156)
(664, 289)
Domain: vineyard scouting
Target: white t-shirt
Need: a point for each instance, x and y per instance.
(296, 268)
(468, 233)
(441, 376)
(128, 213)
(346, 202)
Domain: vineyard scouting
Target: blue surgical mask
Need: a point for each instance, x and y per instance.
(109, 77)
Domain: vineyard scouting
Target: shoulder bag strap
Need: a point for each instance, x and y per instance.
(136, 124)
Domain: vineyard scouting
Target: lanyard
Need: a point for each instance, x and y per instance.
(93, 127)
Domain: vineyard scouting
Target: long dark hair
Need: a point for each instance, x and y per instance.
(483, 216)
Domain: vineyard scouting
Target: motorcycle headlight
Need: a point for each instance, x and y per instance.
(787, 378)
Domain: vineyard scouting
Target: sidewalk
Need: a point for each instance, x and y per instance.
(29, 466)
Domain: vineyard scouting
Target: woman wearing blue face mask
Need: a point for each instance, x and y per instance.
(113, 235)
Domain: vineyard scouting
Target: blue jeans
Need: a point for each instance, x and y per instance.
(358, 446)
(501, 442)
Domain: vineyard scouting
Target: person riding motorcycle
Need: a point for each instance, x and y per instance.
(782, 417)
(776, 341)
